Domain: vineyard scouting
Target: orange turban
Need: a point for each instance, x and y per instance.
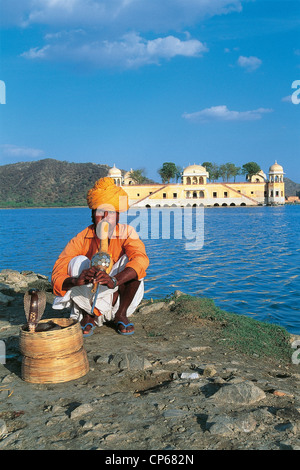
(106, 195)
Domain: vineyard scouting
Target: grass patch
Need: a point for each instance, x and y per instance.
(242, 333)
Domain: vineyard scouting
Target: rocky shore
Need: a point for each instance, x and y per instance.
(191, 378)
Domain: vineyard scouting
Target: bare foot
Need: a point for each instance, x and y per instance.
(123, 326)
(87, 323)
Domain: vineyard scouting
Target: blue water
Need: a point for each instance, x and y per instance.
(249, 262)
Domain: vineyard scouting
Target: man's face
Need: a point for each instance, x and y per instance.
(111, 217)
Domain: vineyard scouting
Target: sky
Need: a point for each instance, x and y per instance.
(137, 83)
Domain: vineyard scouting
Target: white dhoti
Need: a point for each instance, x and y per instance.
(81, 298)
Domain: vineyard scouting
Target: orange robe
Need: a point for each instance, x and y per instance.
(124, 241)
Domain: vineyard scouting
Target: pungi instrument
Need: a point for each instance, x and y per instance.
(101, 260)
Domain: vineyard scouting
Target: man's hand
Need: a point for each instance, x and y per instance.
(94, 275)
(87, 276)
(101, 277)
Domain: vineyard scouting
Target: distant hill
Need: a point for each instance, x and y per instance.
(55, 183)
(47, 182)
(291, 188)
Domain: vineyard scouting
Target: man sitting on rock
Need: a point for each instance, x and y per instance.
(120, 291)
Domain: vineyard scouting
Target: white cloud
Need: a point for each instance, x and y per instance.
(127, 33)
(14, 151)
(287, 99)
(36, 53)
(222, 113)
(249, 63)
(141, 15)
(129, 52)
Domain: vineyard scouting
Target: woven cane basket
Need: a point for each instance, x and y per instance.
(54, 356)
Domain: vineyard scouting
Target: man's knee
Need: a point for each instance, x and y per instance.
(77, 265)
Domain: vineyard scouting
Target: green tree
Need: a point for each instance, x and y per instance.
(168, 171)
(223, 171)
(231, 171)
(179, 171)
(235, 171)
(249, 169)
(138, 176)
(213, 170)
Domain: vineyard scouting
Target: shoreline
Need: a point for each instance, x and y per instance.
(16, 283)
(190, 382)
(43, 207)
(161, 207)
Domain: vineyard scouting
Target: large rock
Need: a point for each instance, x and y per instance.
(3, 428)
(130, 361)
(11, 280)
(226, 425)
(154, 307)
(5, 299)
(81, 410)
(243, 393)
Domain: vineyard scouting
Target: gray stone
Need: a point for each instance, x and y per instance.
(152, 308)
(209, 371)
(130, 361)
(10, 279)
(174, 413)
(285, 426)
(102, 359)
(81, 410)
(178, 293)
(190, 375)
(243, 393)
(9, 276)
(5, 299)
(10, 439)
(225, 425)
(3, 428)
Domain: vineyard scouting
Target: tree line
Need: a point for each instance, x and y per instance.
(227, 171)
(170, 171)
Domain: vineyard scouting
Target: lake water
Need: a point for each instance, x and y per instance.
(249, 261)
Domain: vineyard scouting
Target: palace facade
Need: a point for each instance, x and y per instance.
(195, 190)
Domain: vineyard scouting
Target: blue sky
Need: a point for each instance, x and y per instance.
(136, 83)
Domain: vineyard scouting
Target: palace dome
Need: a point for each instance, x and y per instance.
(127, 174)
(275, 168)
(194, 170)
(114, 171)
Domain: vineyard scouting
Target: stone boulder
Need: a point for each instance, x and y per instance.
(243, 393)
(13, 281)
